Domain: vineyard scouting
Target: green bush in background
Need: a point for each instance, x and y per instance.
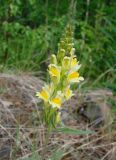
(30, 31)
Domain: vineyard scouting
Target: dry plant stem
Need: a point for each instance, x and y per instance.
(108, 153)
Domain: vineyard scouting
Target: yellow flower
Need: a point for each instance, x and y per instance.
(68, 93)
(44, 94)
(75, 64)
(54, 71)
(74, 77)
(57, 101)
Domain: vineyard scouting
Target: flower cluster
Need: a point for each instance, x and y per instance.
(63, 72)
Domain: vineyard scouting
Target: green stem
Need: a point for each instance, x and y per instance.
(47, 135)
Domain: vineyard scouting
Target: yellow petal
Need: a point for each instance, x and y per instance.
(74, 62)
(73, 75)
(56, 102)
(54, 70)
(43, 95)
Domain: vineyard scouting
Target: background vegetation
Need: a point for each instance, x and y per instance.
(30, 32)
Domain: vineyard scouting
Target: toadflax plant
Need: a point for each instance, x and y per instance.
(63, 72)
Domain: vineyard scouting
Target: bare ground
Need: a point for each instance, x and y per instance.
(22, 132)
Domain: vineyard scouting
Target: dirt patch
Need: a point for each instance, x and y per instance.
(21, 128)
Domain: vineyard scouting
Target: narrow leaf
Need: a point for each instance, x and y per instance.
(72, 131)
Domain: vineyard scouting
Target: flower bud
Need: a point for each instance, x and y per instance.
(72, 51)
(61, 54)
(53, 59)
(66, 62)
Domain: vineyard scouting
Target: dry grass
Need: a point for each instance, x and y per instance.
(22, 133)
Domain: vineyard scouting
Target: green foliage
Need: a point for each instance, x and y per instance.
(30, 31)
(57, 155)
(67, 130)
(95, 45)
(34, 156)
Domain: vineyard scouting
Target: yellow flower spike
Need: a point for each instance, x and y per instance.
(53, 59)
(54, 71)
(63, 71)
(43, 95)
(68, 93)
(74, 77)
(66, 62)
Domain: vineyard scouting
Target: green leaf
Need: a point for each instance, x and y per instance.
(57, 155)
(34, 157)
(72, 131)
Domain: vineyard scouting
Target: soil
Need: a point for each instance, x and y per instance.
(21, 127)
